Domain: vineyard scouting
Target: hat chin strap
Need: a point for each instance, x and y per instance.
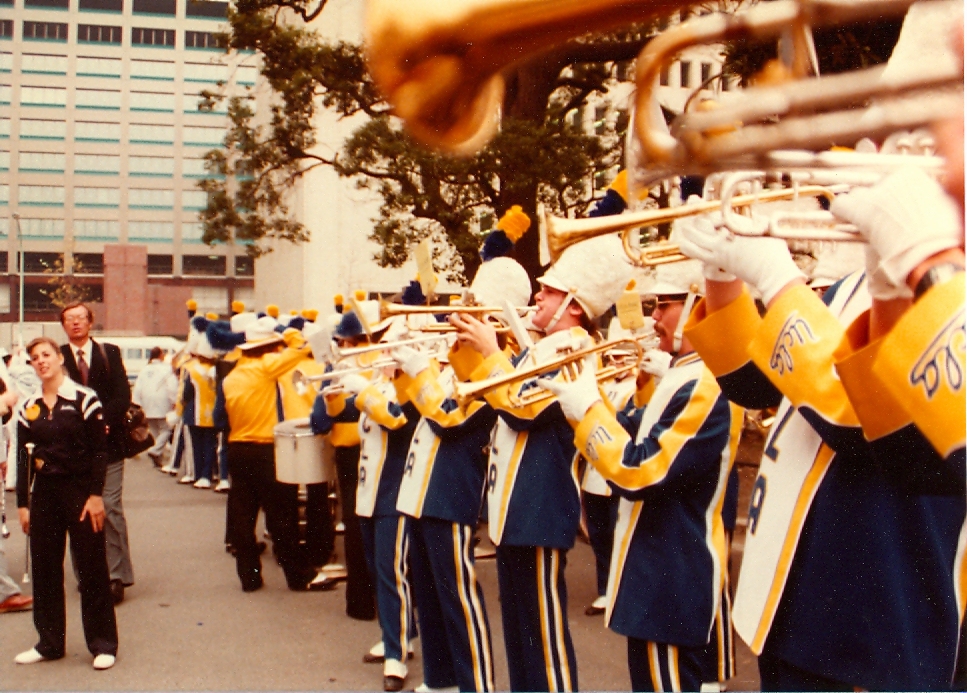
(682, 319)
(559, 312)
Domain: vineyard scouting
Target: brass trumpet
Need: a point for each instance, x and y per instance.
(384, 346)
(563, 233)
(569, 363)
(391, 310)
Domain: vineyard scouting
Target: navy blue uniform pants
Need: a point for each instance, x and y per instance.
(450, 602)
(601, 513)
(533, 605)
(204, 450)
(55, 511)
(387, 541)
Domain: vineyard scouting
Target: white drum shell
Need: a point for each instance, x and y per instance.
(300, 456)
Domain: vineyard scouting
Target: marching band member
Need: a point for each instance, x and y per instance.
(443, 485)
(251, 408)
(534, 505)
(335, 417)
(839, 524)
(196, 403)
(667, 589)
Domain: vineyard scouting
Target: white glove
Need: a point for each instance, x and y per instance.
(171, 418)
(907, 217)
(716, 274)
(576, 397)
(879, 285)
(764, 263)
(412, 362)
(354, 383)
(656, 362)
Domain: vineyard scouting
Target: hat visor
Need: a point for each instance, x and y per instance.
(553, 282)
(666, 289)
(260, 342)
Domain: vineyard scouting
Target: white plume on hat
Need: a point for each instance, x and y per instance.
(500, 279)
(595, 271)
(835, 261)
(260, 332)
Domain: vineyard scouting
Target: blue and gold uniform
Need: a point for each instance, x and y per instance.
(442, 490)
(196, 406)
(534, 510)
(849, 564)
(667, 586)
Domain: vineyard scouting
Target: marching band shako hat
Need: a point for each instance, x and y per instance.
(240, 321)
(500, 277)
(196, 326)
(260, 333)
(238, 307)
(593, 272)
(682, 281)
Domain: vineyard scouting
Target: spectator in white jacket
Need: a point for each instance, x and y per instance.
(156, 390)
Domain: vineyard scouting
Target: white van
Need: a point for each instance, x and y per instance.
(135, 350)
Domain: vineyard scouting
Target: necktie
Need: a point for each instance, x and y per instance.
(82, 366)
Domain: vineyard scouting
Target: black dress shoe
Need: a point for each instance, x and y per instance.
(117, 591)
(324, 584)
(392, 683)
(252, 584)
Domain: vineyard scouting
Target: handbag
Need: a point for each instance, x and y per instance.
(137, 435)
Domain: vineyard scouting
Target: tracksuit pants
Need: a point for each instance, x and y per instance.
(450, 603)
(387, 541)
(55, 510)
(533, 605)
(254, 486)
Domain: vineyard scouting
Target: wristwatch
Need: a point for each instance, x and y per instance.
(937, 274)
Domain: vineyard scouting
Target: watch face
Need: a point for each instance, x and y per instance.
(937, 274)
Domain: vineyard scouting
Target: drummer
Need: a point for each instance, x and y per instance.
(252, 412)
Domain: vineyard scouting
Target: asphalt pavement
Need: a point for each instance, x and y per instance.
(187, 625)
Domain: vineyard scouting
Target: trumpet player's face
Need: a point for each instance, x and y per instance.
(548, 300)
(666, 315)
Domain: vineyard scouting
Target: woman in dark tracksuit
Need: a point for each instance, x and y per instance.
(65, 423)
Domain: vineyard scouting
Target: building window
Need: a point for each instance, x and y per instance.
(45, 31)
(95, 33)
(98, 67)
(196, 103)
(205, 40)
(5, 92)
(151, 166)
(5, 160)
(161, 264)
(4, 261)
(663, 76)
(706, 72)
(47, 4)
(600, 120)
(43, 129)
(42, 228)
(88, 263)
(205, 72)
(163, 38)
(203, 265)
(244, 266)
(6, 62)
(85, 131)
(42, 162)
(149, 198)
(246, 74)
(194, 168)
(41, 195)
(156, 231)
(6, 29)
(194, 200)
(97, 229)
(4, 193)
(98, 164)
(43, 64)
(152, 101)
(55, 97)
(192, 232)
(206, 8)
(5, 128)
(104, 99)
(151, 134)
(685, 71)
(203, 136)
(153, 69)
(116, 6)
(97, 197)
(165, 7)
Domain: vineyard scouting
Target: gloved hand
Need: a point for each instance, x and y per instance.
(576, 397)
(354, 383)
(412, 362)
(906, 218)
(879, 285)
(656, 362)
(171, 418)
(716, 274)
(764, 263)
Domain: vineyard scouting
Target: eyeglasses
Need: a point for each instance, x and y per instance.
(75, 319)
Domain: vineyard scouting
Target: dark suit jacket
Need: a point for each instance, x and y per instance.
(111, 386)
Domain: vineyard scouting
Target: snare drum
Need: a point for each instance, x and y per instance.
(302, 457)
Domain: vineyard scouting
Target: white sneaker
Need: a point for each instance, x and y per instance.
(423, 688)
(104, 661)
(394, 667)
(203, 483)
(223, 486)
(186, 480)
(31, 656)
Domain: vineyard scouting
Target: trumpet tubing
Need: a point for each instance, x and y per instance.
(383, 346)
(390, 310)
(439, 63)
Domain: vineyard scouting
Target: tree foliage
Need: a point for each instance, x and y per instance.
(63, 287)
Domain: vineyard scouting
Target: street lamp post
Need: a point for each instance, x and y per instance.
(20, 253)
